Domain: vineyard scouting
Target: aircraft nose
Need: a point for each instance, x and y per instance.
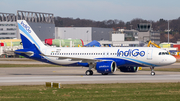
(172, 60)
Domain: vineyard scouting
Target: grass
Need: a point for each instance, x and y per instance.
(94, 92)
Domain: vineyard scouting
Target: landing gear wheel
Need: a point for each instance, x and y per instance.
(104, 73)
(152, 73)
(89, 72)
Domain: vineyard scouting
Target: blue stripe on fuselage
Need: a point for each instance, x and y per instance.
(128, 61)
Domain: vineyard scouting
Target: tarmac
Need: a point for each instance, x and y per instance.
(76, 75)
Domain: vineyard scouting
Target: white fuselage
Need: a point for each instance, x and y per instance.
(142, 56)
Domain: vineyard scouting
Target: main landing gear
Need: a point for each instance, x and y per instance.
(89, 72)
(152, 71)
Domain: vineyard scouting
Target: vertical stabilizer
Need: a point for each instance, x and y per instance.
(28, 36)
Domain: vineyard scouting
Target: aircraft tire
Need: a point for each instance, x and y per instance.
(153, 73)
(89, 72)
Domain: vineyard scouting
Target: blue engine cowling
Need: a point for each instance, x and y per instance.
(128, 69)
(106, 67)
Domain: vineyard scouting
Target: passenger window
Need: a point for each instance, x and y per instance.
(159, 53)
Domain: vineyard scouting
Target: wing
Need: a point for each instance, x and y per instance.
(89, 60)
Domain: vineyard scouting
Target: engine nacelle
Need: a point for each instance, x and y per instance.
(106, 67)
(128, 68)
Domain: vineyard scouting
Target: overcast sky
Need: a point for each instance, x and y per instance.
(98, 10)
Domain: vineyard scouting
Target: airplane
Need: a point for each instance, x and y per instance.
(103, 59)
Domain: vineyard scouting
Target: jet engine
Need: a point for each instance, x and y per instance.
(105, 67)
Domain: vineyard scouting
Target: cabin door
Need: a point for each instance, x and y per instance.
(149, 54)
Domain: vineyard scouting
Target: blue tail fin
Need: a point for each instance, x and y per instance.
(32, 45)
(28, 36)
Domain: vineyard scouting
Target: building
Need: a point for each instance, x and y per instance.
(155, 36)
(87, 34)
(132, 37)
(8, 27)
(124, 38)
(106, 36)
(125, 35)
(42, 23)
(146, 33)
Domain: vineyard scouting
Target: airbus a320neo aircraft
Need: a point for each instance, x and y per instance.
(104, 59)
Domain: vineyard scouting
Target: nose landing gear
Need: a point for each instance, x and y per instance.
(152, 71)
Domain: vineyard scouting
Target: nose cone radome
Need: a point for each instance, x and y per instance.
(172, 60)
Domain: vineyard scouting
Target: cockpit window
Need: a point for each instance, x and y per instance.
(163, 53)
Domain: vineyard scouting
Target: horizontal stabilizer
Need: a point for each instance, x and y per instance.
(29, 53)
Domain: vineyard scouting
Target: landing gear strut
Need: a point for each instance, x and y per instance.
(152, 71)
(89, 72)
